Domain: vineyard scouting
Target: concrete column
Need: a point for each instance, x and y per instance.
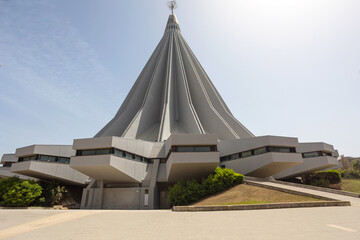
(153, 200)
(101, 194)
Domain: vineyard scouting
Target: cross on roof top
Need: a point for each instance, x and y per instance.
(172, 5)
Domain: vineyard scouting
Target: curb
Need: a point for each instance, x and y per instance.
(34, 208)
(56, 207)
(259, 206)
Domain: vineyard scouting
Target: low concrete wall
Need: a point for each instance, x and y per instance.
(259, 206)
(329, 190)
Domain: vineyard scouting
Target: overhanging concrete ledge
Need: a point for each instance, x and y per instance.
(260, 206)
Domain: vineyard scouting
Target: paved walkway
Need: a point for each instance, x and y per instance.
(353, 200)
(328, 223)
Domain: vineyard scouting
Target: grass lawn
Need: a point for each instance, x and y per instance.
(246, 194)
(350, 185)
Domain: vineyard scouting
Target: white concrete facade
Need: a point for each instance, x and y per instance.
(48, 162)
(316, 156)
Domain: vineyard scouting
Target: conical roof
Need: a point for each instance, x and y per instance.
(173, 94)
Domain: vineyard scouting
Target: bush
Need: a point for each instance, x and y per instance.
(19, 193)
(333, 176)
(184, 193)
(323, 178)
(351, 173)
(222, 179)
(320, 182)
(52, 193)
(6, 184)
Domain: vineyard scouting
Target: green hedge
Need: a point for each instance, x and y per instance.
(17, 193)
(323, 178)
(186, 192)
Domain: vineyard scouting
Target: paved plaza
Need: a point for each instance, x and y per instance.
(300, 223)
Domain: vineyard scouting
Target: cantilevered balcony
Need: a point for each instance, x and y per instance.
(260, 156)
(48, 162)
(110, 168)
(316, 156)
(49, 171)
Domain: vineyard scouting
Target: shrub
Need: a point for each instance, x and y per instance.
(52, 193)
(320, 182)
(21, 193)
(221, 180)
(6, 184)
(323, 178)
(333, 176)
(184, 193)
(351, 173)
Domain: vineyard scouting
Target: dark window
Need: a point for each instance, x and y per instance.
(102, 151)
(64, 160)
(130, 155)
(246, 154)
(7, 164)
(202, 149)
(326, 154)
(225, 158)
(44, 158)
(193, 148)
(311, 154)
(260, 150)
(281, 149)
(233, 156)
(186, 149)
(119, 153)
(87, 152)
(47, 158)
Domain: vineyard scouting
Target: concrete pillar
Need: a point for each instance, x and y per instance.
(101, 194)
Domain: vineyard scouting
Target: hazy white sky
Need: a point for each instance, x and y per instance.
(284, 67)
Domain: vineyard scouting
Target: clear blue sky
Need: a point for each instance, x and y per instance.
(287, 68)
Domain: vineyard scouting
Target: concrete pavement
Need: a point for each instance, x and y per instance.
(299, 223)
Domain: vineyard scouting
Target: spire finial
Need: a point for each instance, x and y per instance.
(172, 5)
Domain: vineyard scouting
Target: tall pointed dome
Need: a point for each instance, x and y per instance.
(173, 94)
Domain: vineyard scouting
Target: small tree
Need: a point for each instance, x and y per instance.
(58, 193)
(52, 193)
(356, 164)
